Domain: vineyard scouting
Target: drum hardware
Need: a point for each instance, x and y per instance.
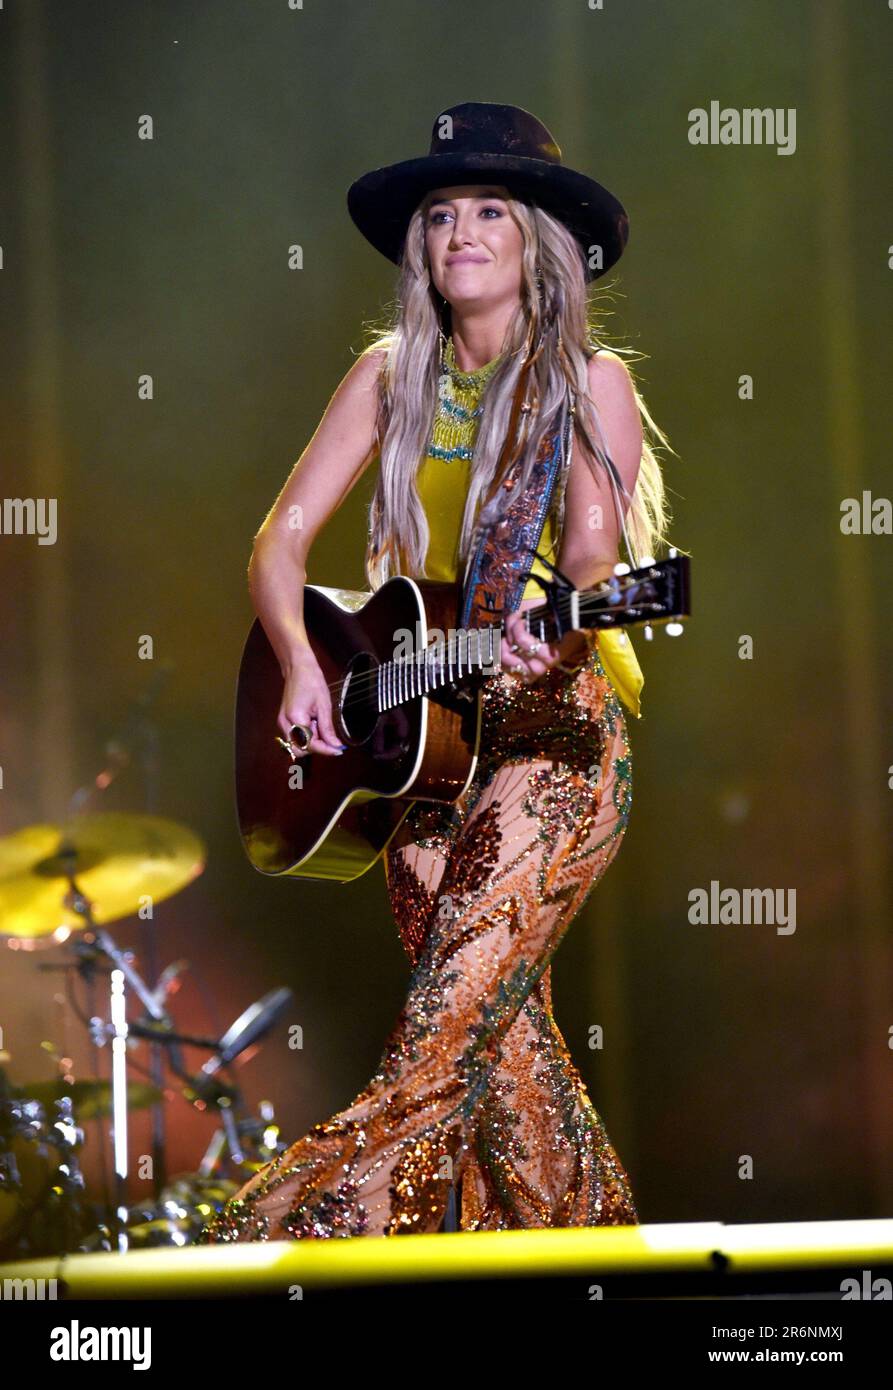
(44, 873)
(42, 1204)
(65, 883)
(43, 1209)
(90, 1098)
(239, 1147)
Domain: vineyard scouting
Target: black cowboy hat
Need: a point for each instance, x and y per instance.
(482, 142)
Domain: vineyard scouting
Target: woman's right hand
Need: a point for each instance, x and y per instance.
(306, 699)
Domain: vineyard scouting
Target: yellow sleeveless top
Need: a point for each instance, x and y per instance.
(442, 482)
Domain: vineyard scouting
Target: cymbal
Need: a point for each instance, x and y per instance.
(89, 1098)
(118, 859)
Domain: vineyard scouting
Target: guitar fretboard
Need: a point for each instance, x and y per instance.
(441, 664)
(616, 602)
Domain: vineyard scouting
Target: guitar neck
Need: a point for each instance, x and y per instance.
(464, 654)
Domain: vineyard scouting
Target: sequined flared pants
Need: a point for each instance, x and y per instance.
(476, 1090)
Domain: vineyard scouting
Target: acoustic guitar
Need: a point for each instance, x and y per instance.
(405, 685)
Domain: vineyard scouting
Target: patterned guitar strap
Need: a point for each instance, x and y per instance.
(495, 577)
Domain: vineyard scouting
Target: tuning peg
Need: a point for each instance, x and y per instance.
(674, 629)
(648, 632)
(646, 562)
(621, 567)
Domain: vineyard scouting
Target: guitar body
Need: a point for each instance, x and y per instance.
(332, 817)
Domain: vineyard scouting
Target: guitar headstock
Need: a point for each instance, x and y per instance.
(657, 592)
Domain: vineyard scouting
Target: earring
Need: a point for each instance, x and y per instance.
(538, 277)
(440, 333)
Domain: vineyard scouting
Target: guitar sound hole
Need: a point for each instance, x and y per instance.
(359, 712)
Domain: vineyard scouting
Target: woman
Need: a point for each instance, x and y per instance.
(475, 1091)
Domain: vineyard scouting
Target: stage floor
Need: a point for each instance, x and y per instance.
(824, 1259)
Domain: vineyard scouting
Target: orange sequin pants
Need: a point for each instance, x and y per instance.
(475, 1088)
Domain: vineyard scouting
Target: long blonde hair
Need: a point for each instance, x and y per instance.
(554, 314)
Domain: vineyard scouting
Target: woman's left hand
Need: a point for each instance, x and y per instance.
(535, 657)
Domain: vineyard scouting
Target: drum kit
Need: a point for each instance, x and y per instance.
(60, 885)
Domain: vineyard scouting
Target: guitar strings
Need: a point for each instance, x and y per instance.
(444, 652)
(447, 652)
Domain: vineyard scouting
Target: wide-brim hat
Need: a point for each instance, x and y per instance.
(484, 142)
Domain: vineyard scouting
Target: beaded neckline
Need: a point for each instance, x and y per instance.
(467, 381)
(459, 407)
